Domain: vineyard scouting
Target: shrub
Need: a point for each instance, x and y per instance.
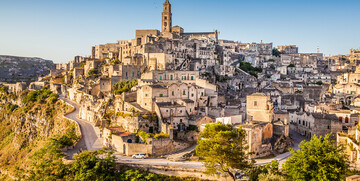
(161, 135)
(67, 140)
(124, 86)
(144, 135)
(193, 128)
(93, 72)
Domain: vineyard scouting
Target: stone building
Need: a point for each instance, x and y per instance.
(309, 124)
(351, 143)
(15, 87)
(354, 56)
(259, 108)
(288, 49)
(258, 137)
(77, 72)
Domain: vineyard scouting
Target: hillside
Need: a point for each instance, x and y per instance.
(15, 69)
(28, 123)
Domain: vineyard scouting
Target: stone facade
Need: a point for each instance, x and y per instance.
(309, 124)
(259, 108)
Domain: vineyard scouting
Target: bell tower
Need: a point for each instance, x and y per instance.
(166, 17)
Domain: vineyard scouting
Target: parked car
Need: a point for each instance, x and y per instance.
(139, 155)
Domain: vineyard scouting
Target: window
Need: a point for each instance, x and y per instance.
(192, 77)
(146, 95)
(171, 77)
(184, 93)
(255, 103)
(202, 94)
(133, 74)
(192, 95)
(172, 93)
(329, 126)
(160, 77)
(160, 95)
(190, 110)
(346, 120)
(125, 74)
(180, 120)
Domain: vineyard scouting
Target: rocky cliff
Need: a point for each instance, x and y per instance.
(16, 69)
(28, 122)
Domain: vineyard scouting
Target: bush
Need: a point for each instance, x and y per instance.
(67, 140)
(4, 89)
(161, 135)
(193, 128)
(291, 65)
(247, 67)
(93, 72)
(144, 135)
(124, 86)
(40, 96)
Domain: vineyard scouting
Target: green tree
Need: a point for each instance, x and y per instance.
(94, 165)
(319, 83)
(264, 171)
(276, 52)
(319, 159)
(47, 164)
(223, 149)
(93, 71)
(271, 177)
(291, 65)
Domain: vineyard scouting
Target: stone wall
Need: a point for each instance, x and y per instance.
(166, 145)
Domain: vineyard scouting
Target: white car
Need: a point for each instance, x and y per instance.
(139, 155)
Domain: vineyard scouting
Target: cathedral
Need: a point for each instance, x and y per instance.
(156, 48)
(168, 31)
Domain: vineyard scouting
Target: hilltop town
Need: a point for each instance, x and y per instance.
(154, 93)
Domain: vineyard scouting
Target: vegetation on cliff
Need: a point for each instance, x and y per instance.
(247, 67)
(33, 133)
(29, 122)
(124, 86)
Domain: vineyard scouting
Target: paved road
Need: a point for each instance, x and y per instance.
(157, 162)
(90, 139)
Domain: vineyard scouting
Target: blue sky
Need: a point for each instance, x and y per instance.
(61, 29)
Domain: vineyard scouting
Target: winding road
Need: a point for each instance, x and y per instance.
(90, 137)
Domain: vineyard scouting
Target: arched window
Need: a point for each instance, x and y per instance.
(346, 120)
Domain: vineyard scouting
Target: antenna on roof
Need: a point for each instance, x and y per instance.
(318, 49)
